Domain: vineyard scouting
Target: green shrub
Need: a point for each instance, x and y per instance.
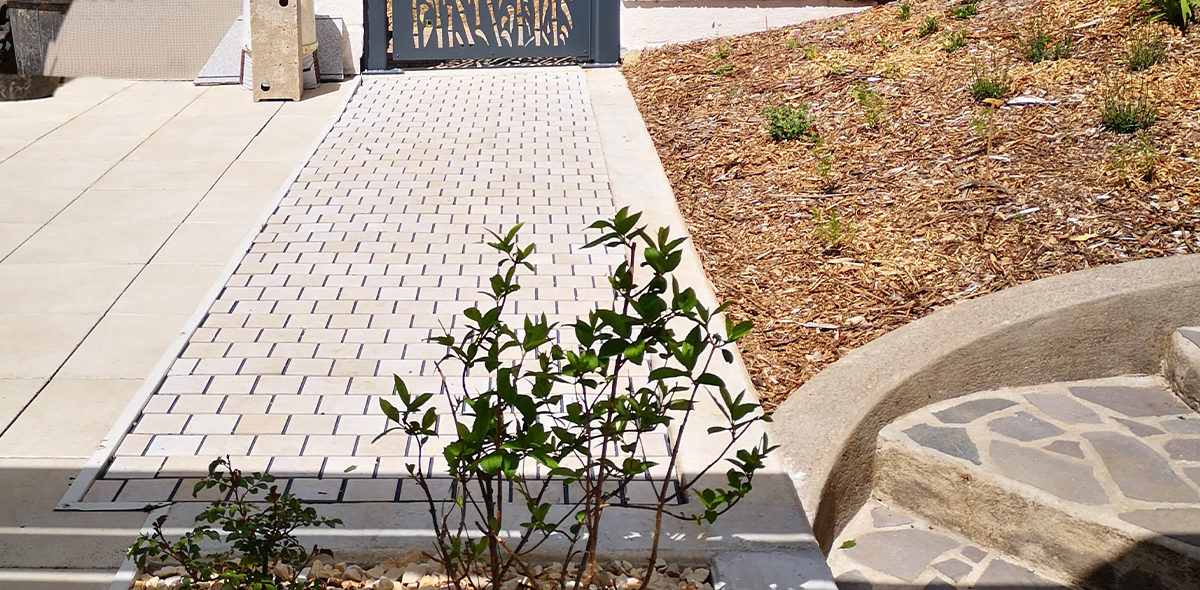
(831, 230)
(954, 40)
(905, 12)
(580, 413)
(1140, 160)
(1177, 12)
(1124, 113)
(870, 103)
(725, 70)
(723, 51)
(257, 523)
(928, 27)
(965, 10)
(989, 79)
(785, 122)
(1146, 49)
(1040, 46)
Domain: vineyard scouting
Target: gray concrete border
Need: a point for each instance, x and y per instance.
(1101, 322)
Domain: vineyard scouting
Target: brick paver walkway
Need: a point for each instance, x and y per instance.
(376, 245)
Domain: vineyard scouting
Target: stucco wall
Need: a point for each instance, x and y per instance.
(652, 23)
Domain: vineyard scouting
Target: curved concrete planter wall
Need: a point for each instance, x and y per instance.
(1107, 321)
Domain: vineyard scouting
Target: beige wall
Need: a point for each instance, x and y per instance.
(137, 39)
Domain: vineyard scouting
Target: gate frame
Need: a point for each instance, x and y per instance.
(605, 34)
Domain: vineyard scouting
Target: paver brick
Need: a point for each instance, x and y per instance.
(377, 246)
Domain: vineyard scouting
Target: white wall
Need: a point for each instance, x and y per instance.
(651, 23)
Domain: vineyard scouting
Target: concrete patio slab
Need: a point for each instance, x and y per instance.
(169, 289)
(78, 302)
(203, 243)
(14, 395)
(35, 344)
(51, 174)
(149, 206)
(124, 346)
(111, 243)
(231, 206)
(32, 206)
(13, 235)
(164, 174)
(62, 287)
(46, 430)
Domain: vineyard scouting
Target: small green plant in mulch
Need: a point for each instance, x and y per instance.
(723, 51)
(1038, 45)
(833, 232)
(905, 12)
(954, 40)
(964, 10)
(793, 42)
(823, 165)
(725, 70)
(787, 123)
(1125, 112)
(928, 27)
(257, 524)
(983, 126)
(1139, 160)
(834, 66)
(871, 104)
(1179, 13)
(891, 70)
(811, 52)
(1146, 49)
(989, 79)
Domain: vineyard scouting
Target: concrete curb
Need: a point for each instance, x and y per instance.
(73, 498)
(638, 181)
(1101, 322)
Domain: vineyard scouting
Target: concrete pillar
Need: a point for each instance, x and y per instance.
(275, 37)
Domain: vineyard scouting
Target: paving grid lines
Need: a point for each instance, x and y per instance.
(377, 245)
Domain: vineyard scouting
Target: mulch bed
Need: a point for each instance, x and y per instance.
(941, 202)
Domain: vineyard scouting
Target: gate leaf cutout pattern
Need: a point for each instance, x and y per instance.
(493, 23)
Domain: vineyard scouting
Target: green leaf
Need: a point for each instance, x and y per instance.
(737, 331)
(848, 544)
(634, 352)
(350, 468)
(389, 410)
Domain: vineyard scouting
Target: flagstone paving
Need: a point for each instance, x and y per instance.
(377, 245)
(883, 548)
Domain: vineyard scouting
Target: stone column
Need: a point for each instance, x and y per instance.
(275, 36)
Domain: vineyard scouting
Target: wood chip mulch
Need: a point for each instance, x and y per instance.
(931, 212)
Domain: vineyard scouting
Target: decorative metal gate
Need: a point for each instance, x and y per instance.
(424, 30)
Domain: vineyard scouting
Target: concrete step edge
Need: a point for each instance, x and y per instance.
(1181, 364)
(977, 500)
(889, 547)
(65, 579)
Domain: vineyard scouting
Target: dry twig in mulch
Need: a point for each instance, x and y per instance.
(828, 244)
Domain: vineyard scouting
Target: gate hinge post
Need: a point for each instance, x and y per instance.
(375, 35)
(606, 31)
